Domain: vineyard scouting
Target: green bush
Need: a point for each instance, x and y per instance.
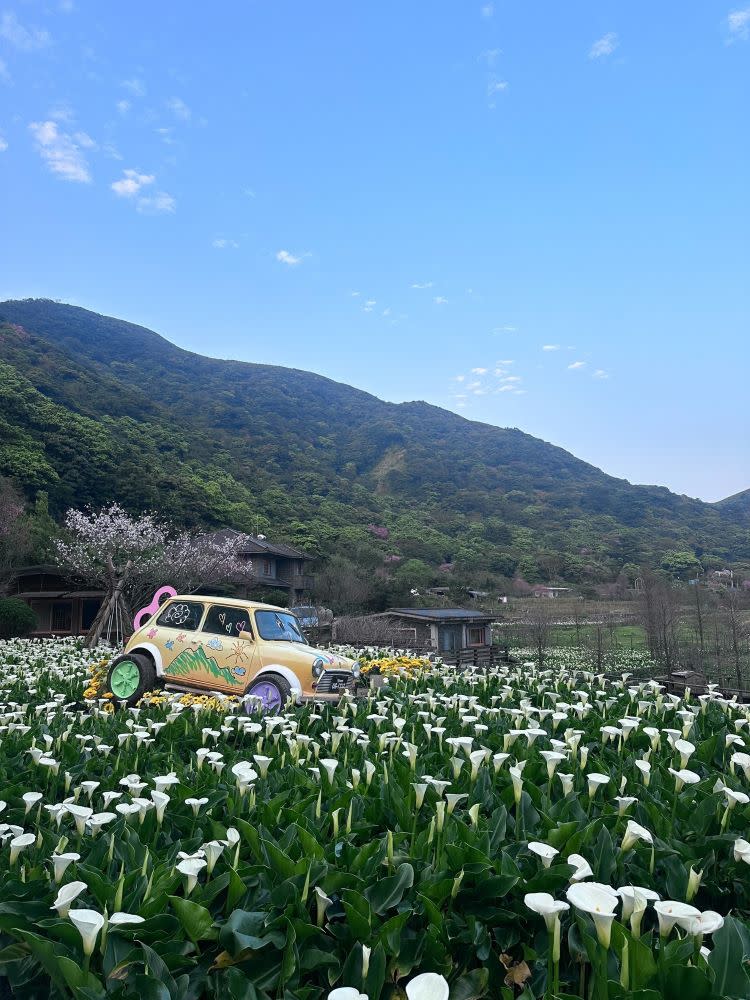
(16, 618)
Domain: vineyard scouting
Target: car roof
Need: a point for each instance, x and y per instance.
(230, 602)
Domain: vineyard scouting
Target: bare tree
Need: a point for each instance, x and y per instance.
(539, 621)
(738, 630)
(579, 619)
(600, 640)
(339, 585)
(661, 620)
(370, 630)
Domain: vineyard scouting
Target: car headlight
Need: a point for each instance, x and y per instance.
(356, 668)
(318, 666)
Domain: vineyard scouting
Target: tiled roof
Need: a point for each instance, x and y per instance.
(440, 614)
(261, 546)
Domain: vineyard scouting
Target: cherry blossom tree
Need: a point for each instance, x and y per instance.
(190, 560)
(131, 556)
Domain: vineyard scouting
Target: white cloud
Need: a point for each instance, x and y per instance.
(604, 46)
(577, 364)
(179, 109)
(505, 329)
(24, 39)
(424, 284)
(487, 10)
(159, 203)
(440, 300)
(3, 144)
(4, 74)
(369, 305)
(85, 141)
(460, 378)
(224, 244)
(131, 183)
(600, 373)
(61, 152)
(738, 23)
(507, 362)
(551, 347)
(62, 112)
(478, 371)
(287, 258)
(512, 378)
(387, 311)
(123, 106)
(496, 87)
(135, 86)
(505, 388)
(165, 134)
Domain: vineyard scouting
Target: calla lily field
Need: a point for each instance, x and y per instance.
(528, 830)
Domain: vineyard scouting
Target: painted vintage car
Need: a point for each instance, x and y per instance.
(255, 651)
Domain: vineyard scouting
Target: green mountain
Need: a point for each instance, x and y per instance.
(195, 661)
(94, 409)
(736, 507)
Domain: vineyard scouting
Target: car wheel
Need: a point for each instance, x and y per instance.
(130, 676)
(273, 690)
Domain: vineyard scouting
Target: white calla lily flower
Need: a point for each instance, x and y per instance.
(428, 986)
(671, 912)
(88, 923)
(599, 901)
(66, 896)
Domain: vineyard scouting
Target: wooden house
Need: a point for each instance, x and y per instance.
(62, 607)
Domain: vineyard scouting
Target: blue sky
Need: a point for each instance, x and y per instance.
(533, 214)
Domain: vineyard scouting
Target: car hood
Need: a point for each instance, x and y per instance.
(307, 654)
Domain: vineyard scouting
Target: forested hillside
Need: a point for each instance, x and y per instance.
(737, 507)
(94, 409)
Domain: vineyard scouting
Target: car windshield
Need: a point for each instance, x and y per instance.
(279, 626)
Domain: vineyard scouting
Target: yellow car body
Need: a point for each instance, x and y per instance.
(230, 645)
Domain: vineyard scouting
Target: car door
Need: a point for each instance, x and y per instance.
(212, 655)
(173, 634)
(231, 660)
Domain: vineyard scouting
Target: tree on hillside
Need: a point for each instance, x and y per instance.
(14, 535)
(130, 557)
(682, 565)
(343, 586)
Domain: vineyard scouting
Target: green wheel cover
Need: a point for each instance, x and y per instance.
(125, 679)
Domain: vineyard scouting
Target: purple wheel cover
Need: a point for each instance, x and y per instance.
(269, 694)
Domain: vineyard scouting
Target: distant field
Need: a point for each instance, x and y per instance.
(628, 636)
(567, 636)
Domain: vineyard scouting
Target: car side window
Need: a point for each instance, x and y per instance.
(227, 621)
(185, 615)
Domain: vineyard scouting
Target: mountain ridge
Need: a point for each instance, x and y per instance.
(236, 442)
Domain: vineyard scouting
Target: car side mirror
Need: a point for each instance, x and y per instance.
(247, 635)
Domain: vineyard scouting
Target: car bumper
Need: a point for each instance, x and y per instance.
(331, 685)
